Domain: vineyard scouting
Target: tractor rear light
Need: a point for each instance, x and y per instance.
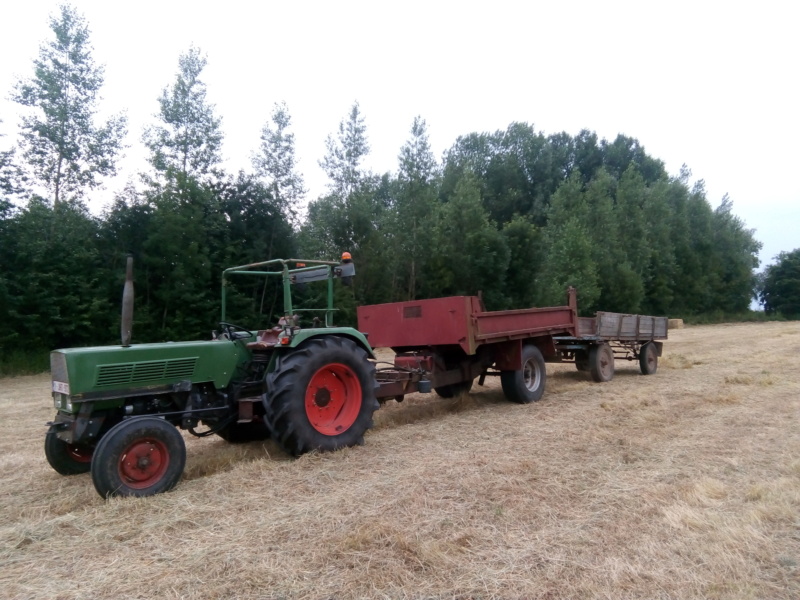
(285, 341)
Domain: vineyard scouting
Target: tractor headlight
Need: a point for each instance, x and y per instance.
(62, 402)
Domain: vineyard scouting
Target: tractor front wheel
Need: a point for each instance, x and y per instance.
(66, 459)
(321, 396)
(142, 456)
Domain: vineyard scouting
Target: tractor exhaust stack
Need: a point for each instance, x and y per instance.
(127, 304)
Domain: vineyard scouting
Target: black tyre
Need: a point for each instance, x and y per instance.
(527, 384)
(241, 433)
(138, 457)
(648, 359)
(601, 362)
(321, 396)
(66, 459)
(454, 389)
(581, 361)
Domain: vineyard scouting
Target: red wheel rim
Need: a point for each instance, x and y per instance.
(80, 454)
(144, 463)
(333, 399)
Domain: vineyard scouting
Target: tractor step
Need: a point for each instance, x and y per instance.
(246, 409)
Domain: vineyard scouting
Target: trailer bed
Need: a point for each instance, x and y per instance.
(463, 321)
(448, 342)
(458, 321)
(622, 327)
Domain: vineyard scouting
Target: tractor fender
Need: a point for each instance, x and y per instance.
(303, 335)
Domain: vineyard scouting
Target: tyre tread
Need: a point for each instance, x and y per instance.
(284, 394)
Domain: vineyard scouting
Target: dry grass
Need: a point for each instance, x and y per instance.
(681, 485)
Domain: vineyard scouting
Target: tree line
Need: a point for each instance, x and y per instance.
(516, 214)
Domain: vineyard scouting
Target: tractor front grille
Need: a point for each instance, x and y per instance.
(151, 371)
(58, 367)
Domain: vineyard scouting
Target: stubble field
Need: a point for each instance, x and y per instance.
(685, 484)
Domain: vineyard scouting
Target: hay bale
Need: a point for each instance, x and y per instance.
(675, 324)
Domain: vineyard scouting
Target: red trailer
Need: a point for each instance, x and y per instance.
(446, 343)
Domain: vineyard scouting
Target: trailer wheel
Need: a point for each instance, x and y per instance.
(66, 459)
(241, 433)
(601, 362)
(138, 457)
(527, 384)
(454, 389)
(321, 396)
(648, 359)
(581, 361)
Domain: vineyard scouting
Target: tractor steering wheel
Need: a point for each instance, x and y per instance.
(230, 330)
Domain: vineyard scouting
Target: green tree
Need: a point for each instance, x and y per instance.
(659, 271)
(276, 163)
(735, 256)
(780, 293)
(349, 215)
(10, 180)
(569, 258)
(471, 255)
(345, 153)
(9, 187)
(621, 289)
(181, 277)
(415, 206)
(53, 273)
(524, 241)
(631, 220)
(588, 154)
(623, 152)
(63, 145)
(188, 139)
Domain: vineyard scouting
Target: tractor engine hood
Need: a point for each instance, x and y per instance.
(105, 372)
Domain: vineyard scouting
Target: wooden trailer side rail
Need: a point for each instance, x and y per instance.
(623, 327)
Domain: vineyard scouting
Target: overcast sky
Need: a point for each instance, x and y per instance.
(713, 85)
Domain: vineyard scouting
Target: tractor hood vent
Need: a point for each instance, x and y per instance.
(154, 371)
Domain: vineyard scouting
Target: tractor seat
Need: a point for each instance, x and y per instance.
(266, 339)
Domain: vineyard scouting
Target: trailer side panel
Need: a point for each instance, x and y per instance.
(434, 322)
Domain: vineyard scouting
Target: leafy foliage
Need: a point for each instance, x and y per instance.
(345, 152)
(410, 225)
(189, 139)
(276, 162)
(62, 145)
(780, 289)
(514, 215)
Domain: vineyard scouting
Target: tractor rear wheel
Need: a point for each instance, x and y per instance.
(142, 456)
(527, 384)
(321, 396)
(66, 459)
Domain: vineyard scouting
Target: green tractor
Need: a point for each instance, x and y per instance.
(120, 407)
